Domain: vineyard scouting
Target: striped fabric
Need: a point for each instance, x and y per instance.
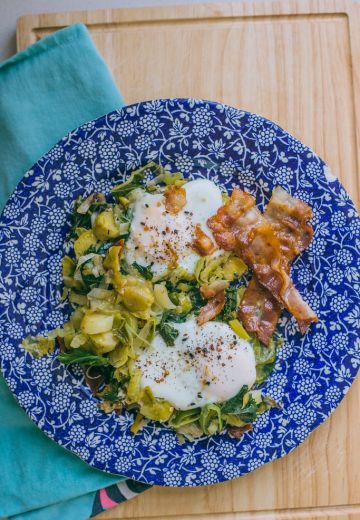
(113, 495)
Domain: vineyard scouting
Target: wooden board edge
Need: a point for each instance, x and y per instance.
(24, 28)
(345, 512)
(26, 25)
(354, 36)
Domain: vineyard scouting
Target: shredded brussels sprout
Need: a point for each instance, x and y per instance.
(39, 346)
(118, 308)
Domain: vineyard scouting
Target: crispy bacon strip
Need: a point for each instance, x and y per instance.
(290, 219)
(175, 199)
(202, 243)
(239, 226)
(258, 310)
(213, 307)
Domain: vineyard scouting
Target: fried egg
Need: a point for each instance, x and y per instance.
(157, 237)
(207, 364)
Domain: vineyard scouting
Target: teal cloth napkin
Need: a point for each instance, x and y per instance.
(46, 91)
(40, 480)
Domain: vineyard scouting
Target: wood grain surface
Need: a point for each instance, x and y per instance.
(297, 63)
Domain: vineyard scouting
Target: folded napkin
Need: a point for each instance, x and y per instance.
(46, 91)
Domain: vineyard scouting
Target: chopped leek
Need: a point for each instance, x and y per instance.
(137, 297)
(162, 298)
(135, 181)
(85, 240)
(104, 342)
(39, 346)
(210, 419)
(238, 328)
(96, 323)
(105, 226)
(118, 308)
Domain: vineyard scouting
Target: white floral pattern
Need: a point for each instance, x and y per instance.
(206, 140)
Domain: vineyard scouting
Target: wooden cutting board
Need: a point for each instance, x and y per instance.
(297, 63)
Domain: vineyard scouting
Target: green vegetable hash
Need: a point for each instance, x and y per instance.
(118, 308)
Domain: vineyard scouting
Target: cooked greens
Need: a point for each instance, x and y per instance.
(165, 328)
(83, 357)
(145, 271)
(265, 358)
(118, 308)
(231, 304)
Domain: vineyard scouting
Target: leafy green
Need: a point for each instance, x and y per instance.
(243, 405)
(80, 290)
(229, 309)
(183, 417)
(101, 248)
(166, 330)
(83, 220)
(79, 221)
(266, 403)
(82, 357)
(171, 288)
(110, 392)
(168, 333)
(105, 371)
(125, 217)
(192, 291)
(249, 411)
(264, 371)
(88, 275)
(197, 301)
(145, 271)
(265, 358)
(234, 405)
(167, 178)
(134, 181)
(210, 419)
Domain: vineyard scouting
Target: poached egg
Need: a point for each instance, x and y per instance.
(157, 237)
(207, 364)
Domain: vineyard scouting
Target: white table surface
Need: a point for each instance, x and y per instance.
(10, 10)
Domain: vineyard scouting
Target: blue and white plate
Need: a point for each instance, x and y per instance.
(230, 147)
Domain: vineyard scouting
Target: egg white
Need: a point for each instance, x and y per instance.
(156, 234)
(207, 364)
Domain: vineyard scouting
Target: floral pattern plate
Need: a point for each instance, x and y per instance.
(231, 147)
